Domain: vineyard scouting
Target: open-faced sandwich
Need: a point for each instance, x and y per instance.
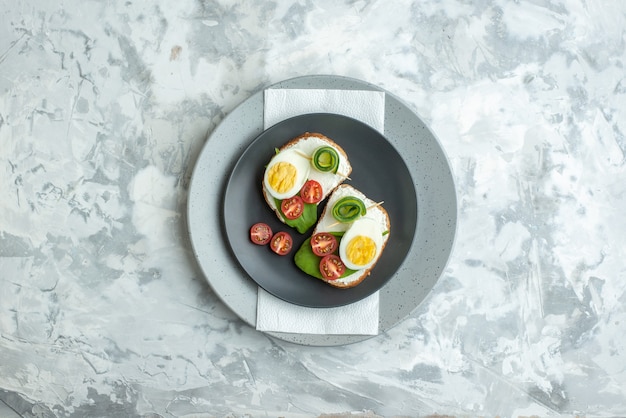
(348, 240)
(301, 174)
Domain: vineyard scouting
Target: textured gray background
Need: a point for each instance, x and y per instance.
(104, 107)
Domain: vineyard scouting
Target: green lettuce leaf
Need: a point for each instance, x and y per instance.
(304, 221)
(309, 263)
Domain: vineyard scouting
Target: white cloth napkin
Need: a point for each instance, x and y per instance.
(366, 106)
(276, 315)
(358, 318)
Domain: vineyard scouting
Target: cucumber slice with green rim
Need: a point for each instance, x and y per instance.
(348, 209)
(325, 159)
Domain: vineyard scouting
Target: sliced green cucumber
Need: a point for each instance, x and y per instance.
(325, 159)
(348, 209)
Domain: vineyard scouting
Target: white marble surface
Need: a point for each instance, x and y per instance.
(104, 107)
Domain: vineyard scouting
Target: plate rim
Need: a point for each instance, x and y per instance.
(239, 305)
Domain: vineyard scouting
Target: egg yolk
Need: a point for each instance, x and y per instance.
(361, 250)
(282, 176)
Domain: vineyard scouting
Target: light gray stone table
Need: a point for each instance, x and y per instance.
(105, 106)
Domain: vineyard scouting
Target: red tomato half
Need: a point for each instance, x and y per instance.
(323, 243)
(260, 233)
(293, 207)
(281, 243)
(311, 192)
(332, 267)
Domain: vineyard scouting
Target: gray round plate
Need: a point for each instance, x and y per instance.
(377, 170)
(434, 186)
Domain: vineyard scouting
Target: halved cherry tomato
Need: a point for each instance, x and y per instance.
(311, 192)
(293, 207)
(260, 233)
(323, 243)
(281, 243)
(332, 267)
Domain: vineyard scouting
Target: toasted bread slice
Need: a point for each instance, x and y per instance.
(305, 145)
(327, 223)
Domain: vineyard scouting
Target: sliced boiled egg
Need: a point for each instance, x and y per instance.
(361, 244)
(286, 173)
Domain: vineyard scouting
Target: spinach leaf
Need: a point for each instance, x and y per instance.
(309, 263)
(304, 221)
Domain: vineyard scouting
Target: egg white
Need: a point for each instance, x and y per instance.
(302, 165)
(361, 227)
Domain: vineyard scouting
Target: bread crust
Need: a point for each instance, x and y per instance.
(269, 199)
(368, 203)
